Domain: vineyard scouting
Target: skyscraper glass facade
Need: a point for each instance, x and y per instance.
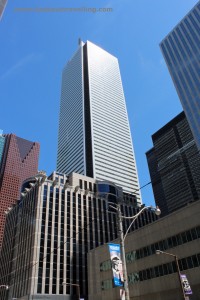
(94, 133)
(174, 165)
(71, 130)
(181, 50)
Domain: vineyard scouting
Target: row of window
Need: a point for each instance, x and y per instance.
(166, 244)
(158, 271)
(86, 186)
(163, 245)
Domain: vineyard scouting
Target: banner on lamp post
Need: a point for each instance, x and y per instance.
(186, 286)
(115, 256)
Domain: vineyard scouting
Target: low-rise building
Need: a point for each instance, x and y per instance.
(151, 276)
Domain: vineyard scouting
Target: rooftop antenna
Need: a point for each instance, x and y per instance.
(80, 42)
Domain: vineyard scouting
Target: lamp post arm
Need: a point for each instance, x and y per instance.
(129, 228)
(167, 253)
(134, 219)
(76, 285)
(137, 215)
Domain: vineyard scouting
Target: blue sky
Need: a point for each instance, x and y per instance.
(35, 46)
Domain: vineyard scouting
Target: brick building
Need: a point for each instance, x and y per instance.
(18, 160)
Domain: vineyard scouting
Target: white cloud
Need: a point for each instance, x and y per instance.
(19, 65)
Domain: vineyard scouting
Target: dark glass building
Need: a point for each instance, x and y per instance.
(174, 165)
(181, 50)
(18, 161)
(50, 231)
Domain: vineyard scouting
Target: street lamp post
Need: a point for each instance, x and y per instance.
(122, 236)
(178, 270)
(124, 268)
(76, 285)
(122, 240)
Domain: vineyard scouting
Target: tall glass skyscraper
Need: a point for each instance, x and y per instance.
(181, 50)
(94, 133)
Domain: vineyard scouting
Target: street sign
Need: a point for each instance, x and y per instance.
(186, 285)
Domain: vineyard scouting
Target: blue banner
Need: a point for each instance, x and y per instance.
(115, 256)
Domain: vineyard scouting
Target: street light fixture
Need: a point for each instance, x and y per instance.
(4, 286)
(178, 269)
(122, 236)
(74, 284)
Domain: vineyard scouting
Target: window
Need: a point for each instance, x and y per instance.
(189, 236)
(189, 262)
(170, 244)
(198, 231)
(85, 185)
(184, 237)
(183, 264)
(170, 269)
(174, 241)
(81, 183)
(195, 261)
(165, 269)
(179, 240)
(160, 270)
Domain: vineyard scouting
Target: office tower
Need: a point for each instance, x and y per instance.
(181, 50)
(94, 134)
(49, 233)
(2, 7)
(18, 160)
(174, 165)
